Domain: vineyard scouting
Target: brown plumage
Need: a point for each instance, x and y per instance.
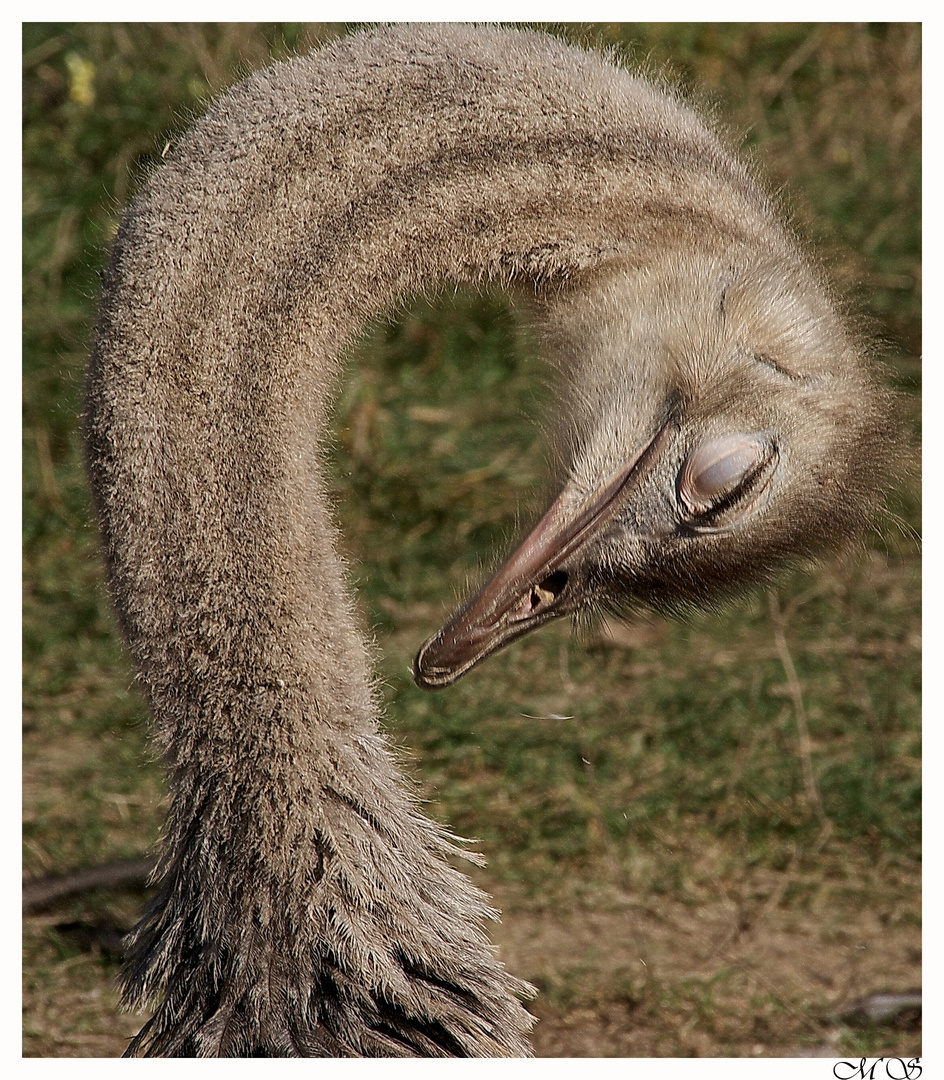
(715, 419)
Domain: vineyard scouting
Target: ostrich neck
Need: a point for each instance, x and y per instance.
(314, 196)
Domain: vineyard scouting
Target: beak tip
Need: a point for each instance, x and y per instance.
(427, 675)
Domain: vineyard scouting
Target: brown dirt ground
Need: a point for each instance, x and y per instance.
(622, 979)
(704, 967)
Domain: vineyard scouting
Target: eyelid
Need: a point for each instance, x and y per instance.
(718, 468)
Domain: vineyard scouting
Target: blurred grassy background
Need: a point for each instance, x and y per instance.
(704, 836)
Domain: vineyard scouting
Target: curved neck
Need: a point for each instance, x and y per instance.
(315, 195)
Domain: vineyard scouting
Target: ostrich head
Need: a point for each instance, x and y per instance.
(719, 422)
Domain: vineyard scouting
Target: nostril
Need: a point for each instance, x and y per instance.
(548, 589)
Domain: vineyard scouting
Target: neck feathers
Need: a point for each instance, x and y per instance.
(305, 906)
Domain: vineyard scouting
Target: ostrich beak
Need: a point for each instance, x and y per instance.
(530, 588)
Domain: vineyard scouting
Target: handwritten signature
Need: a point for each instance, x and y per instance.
(894, 1069)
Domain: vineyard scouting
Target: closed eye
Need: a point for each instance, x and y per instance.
(722, 479)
